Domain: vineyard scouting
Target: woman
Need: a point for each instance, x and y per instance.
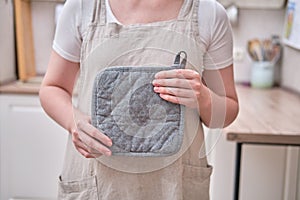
(139, 32)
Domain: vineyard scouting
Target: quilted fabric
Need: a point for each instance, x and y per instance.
(139, 122)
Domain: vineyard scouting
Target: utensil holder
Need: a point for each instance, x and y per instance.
(262, 74)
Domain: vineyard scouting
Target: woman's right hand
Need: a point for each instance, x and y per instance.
(58, 85)
(87, 139)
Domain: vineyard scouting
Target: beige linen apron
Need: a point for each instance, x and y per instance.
(185, 175)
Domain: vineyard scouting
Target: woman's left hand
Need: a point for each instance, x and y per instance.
(180, 86)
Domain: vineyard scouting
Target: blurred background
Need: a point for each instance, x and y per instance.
(32, 146)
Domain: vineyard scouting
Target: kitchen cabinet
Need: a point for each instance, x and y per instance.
(263, 172)
(267, 120)
(32, 149)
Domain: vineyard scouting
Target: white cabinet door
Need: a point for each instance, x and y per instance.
(32, 149)
(265, 172)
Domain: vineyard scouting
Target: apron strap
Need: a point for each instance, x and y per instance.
(189, 10)
(195, 10)
(99, 13)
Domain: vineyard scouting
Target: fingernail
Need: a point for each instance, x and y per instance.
(109, 143)
(155, 89)
(156, 75)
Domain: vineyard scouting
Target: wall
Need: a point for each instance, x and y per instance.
(43, 32)
(254, 24)
(7, 49)
(264, 23)
(291, 69)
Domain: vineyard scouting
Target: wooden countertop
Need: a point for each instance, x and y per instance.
(19, 87)
(270, 116)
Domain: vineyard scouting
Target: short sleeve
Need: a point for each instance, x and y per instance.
(217, 35)
(67, 40)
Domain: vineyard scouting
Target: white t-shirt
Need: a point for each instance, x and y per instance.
(214, 27)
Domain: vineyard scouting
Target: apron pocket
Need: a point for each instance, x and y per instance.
(85, 189)
(196, 182)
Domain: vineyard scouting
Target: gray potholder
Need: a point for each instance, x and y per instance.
(126, 109)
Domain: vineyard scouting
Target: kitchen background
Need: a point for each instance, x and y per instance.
(31, 156)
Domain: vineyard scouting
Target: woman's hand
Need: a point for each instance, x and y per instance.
(180, 86)
(88, 140)
(58, 86)
(216, 99)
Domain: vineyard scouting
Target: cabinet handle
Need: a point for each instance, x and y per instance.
(22, 108)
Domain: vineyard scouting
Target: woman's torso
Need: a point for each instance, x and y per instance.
(182, 176)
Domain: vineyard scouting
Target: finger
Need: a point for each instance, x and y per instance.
(85, 153)
(93, 144)
(94, 132)
(80, 144)
(82, 148)
(189, 102)
(178, 92)
(179, 83)
(88, 154)
(90, 150)
(77, 142)
(178, 73)
(96, 155)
